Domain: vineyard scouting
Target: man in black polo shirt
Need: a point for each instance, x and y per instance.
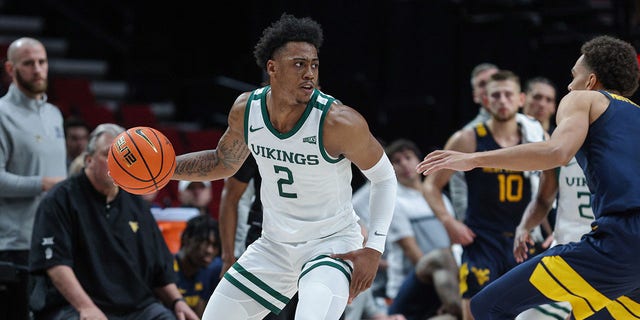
(97, 252)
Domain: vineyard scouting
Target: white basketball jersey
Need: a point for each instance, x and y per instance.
(306, 193)
(574, 214)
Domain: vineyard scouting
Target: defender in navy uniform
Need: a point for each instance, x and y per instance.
(598, 125)
(496, 197)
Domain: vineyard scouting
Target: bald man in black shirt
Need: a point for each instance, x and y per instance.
(97, 251)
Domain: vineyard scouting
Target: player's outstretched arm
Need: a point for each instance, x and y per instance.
(574, 116)
(223, 161)
(433, 185)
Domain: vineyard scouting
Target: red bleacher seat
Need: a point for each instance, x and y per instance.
(96, 114)
(3, 50)
(168, 196)
(175, 136)
(216, 192)
(64, 107)
(202, 139)
(75, 91)
(134, 115)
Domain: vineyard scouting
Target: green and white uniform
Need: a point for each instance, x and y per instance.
(307, 216)
(574, 215)
(306, 193)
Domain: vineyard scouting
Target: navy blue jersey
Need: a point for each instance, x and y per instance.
(599, 274)
(610, 156)
(496, 197)
(201, 285)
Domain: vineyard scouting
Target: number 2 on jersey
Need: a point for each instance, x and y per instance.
(584, 209)
(285, 181)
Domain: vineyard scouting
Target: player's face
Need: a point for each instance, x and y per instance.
(30, 69)
(581, 75)
(540, 101)
(479, 84)
(404, 163)
(294, 71)
(504, 99)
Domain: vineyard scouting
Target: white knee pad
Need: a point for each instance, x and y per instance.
(323, 293)
(230, 303)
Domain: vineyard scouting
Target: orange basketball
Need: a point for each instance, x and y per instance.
(141, 160)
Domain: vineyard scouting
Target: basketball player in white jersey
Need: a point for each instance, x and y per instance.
(573, 219)
(304, 142)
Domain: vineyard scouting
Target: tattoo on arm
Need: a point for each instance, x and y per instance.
(233, 154)
(203, 163)
(197, 164)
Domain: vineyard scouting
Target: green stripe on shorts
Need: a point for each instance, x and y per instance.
(260, 284)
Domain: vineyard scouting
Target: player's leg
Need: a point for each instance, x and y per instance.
(229, 302)
(624, 307)
(598, 272)
(261, 281)
(592, 274)
(323, 290)
(509, 295)
(323, 282)
(552, 311)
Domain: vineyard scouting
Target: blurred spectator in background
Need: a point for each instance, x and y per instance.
(479, 77)
(414, 232)
(77, 164)
(76, 134)
(540, 101)
(196, 194)
(198, 262)
(32, 160)
(432, 290)
(414, 229)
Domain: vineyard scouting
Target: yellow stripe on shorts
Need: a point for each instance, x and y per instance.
(558, 281)
(624, 308)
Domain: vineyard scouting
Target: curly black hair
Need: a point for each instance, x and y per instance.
(614, 62)
(199, 228)
(287, 29)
